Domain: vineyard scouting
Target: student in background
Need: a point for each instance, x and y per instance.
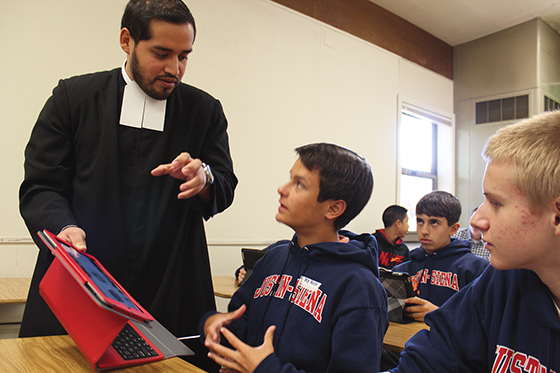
(443, 264)
(473, 235)
(509, 319)
(392, 249)
(316, 300)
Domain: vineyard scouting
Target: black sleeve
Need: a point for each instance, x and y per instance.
(46, 192)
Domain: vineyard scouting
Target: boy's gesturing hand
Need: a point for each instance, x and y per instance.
(214, 324)
(243, 358)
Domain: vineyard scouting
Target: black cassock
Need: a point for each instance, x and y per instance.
(82, 167)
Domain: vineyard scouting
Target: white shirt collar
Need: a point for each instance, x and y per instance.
(140, 110)
(124, 73)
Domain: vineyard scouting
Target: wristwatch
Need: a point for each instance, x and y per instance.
(209, 174)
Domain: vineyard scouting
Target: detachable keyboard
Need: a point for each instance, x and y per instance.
(130, 345)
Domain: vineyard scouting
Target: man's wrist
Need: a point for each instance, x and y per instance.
(68, 226)
(209, 174)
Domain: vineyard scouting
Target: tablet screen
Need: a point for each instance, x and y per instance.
(103, 283)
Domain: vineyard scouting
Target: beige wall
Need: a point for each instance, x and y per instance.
(523, 59)
(284, 80)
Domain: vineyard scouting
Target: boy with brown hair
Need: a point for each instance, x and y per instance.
(509, 319)
(442, 265)
(312, 304)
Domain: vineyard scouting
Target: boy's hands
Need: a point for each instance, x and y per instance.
(214, 324)
(417, 308)
(244, 358)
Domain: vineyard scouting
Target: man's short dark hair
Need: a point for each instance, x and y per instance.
(441, 204)
(343, 175)
(392, 214)
(139, 14)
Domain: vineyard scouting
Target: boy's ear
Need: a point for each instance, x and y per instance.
(557, 216)
(454, 228)
(336, 208)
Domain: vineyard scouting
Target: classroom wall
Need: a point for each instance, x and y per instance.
(283, 78)
(521, 60)
(375, 24)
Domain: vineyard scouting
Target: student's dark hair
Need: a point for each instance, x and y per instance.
(441, 204)
(138, 15)
(343, 175)
(392, 214)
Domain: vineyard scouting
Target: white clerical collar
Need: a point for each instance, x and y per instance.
(140, 110)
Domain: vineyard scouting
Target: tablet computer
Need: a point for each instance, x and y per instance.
(399, 287)
(95, 279)
(109, 327)
(397, 284)
(250, 257)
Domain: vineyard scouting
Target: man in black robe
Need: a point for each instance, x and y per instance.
(136, 160)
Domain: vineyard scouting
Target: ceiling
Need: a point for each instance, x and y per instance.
(460, 21)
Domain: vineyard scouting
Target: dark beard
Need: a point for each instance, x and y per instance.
(143, 83)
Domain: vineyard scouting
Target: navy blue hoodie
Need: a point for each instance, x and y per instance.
(329, 308)
(503, 322)
(443, 273)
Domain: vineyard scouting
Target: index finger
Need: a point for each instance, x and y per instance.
(414, 300)
(220, 349)
(235, 342)
(181, 160)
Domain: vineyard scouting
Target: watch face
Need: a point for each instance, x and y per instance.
(209, 174)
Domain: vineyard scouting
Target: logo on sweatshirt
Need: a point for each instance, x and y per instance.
(508, 360)
(436, 278)
(389, 259)
(305, 294)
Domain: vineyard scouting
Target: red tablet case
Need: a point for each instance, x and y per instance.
(92, 327)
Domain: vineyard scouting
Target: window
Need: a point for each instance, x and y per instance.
(426, 155)
(418, 155)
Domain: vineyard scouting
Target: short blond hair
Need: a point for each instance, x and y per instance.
(532, 147)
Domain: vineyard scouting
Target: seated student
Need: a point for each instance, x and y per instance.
(392, 249)
(507, 320)
(315, 301)
(473, 235)
(442, 265)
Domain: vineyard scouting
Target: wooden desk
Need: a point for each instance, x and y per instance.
(398, 334)
(13, 290)
(224, 286)
(59, 354)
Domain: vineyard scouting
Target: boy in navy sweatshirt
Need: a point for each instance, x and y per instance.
(392, 249)
(312, 304)
(443, 264)
(508, 320)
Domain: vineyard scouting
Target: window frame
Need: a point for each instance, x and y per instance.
(444, 156)
(433, 173)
